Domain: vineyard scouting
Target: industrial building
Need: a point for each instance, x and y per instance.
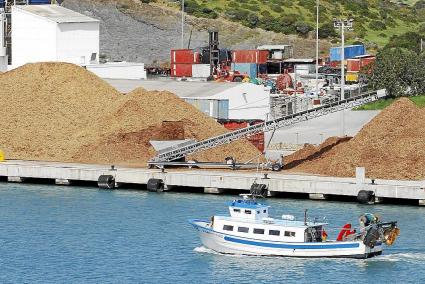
(53, 33)
(245, 101)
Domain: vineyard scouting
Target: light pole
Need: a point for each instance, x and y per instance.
(182, 24)
(317, 49)
(343, 24)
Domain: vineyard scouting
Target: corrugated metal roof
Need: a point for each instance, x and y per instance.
(299, 60)
(55, 13)
(185, 89)
(274, 47)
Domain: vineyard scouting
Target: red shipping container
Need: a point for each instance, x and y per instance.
(367, 60)
(181, 70)
(185, 56)
(353, 65)
(335, 64)
(250, 56)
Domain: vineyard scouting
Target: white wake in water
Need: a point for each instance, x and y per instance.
(203, 249)
(396, 257)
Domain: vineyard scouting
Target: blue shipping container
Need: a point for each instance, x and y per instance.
(249, 69)
(1, 3)
(39, 2)
(350, 51)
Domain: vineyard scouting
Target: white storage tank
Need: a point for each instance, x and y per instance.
(53, 33)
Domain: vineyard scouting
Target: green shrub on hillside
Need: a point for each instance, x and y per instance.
(327, 30)
(298, 16)
(377, 25)
(409, 40)
(303, 28)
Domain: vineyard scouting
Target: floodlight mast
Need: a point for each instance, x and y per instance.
(343, 24)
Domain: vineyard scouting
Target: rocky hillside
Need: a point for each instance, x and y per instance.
(145, 32)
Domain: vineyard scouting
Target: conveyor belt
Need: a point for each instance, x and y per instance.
(174, 153)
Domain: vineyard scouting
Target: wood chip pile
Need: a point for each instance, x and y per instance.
(391, 146)
(62, 112)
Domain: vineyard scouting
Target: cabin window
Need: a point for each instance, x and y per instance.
(289, 234)
(236, 210)
(228, 228)
(247, 211)
(258, 212)
(264, 211)
(258, 231)
(243, 229)
(274, 232)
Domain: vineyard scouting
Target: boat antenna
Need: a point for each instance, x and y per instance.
(305, 217)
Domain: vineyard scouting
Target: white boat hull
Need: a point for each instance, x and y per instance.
(230, 244)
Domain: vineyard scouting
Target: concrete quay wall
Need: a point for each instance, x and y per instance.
(215, 181)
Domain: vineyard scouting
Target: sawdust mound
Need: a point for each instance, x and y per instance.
(310, 152)
(62, 112)
(391, 146)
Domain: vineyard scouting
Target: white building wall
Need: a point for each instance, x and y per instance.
(33, 38)
(76, 42)
(246, 101)
(122, 70)
(3, 57)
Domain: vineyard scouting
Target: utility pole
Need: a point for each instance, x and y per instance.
(317, 49)
(343, 24)
(182, 24)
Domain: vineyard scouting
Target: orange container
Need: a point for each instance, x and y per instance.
(353, 65)
(250, 56)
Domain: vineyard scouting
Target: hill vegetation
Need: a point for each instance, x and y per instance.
(376, 21)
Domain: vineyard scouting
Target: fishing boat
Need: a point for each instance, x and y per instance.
(250, 231)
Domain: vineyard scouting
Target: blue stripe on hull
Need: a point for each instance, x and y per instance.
(290, 246)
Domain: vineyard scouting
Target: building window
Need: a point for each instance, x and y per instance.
(264, 211)
(243, 229)
(237, 210)
(247, 211)
(274, 232)
(228, 228)
(289, 234)
(258, 231)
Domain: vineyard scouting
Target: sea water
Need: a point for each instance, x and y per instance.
(54, 234)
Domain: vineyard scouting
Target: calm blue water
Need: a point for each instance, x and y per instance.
(52, 234)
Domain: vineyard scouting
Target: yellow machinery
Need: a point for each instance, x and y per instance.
(352, 77)
(2, 158)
